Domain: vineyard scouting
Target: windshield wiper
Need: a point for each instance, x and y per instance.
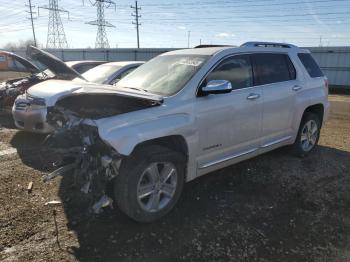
(137, 89)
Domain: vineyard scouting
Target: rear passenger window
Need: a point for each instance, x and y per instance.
(310, 65)
(238, 70)
(273, 68)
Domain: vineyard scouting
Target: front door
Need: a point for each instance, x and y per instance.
(229, 124)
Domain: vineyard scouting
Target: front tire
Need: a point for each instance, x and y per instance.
(150, 183)
(308, 135)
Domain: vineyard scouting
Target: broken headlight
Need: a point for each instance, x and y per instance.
(36, 101)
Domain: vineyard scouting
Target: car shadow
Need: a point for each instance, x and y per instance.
(6, 120)
(32, 152)
(275, 207)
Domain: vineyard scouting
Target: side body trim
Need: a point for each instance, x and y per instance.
(276, 141)
(230, 157)
(227, 158)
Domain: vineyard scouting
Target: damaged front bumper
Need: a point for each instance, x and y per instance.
(93, 164)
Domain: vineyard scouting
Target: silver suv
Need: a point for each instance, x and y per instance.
(187, 113)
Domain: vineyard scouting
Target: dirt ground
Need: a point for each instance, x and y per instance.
(275, 207)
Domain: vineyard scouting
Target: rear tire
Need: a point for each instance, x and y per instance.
(150, 183)
(308, 135)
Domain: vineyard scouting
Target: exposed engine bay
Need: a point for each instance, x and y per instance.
(11, 89)
(93, 163)
(96, 106)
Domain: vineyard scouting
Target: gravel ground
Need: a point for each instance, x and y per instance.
(275, 207)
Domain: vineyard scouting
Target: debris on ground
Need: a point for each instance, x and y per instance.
(30, 187)
(287, 209)
(104, 201)
(53, 203)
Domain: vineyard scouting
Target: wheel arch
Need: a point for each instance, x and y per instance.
(174, 142)
(317, 109)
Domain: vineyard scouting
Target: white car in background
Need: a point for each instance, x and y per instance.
(29, 110)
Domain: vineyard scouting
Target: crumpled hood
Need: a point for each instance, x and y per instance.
(53, 90)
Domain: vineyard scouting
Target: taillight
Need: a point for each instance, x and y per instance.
(326, 84)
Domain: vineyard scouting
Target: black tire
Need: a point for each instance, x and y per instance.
(297, 147)
(125, 186)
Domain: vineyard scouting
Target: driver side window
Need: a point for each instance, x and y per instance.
(237, 70)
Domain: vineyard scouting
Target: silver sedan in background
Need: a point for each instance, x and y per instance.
(110, 73)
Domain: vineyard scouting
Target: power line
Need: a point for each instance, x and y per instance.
(196, 19)
(136, 23)
(56, 37)
(268, 22)
(31, 18)
(252, 17)
(247, 9)
(227, 3)
(101, 23)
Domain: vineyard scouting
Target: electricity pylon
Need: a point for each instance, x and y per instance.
(56, 38)
(101, 23)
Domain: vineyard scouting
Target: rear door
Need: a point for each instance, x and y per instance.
(276, 75)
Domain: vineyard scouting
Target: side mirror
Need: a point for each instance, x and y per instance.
(217, 87)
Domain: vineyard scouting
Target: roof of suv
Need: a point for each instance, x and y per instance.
(197, 51)
(249, 46)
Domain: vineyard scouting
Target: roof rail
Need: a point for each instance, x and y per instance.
(268, 44)
(205, 46)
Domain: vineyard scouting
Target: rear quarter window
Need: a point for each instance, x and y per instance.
(310, 65)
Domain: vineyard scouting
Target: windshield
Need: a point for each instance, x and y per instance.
(100, 74)
(164, 75)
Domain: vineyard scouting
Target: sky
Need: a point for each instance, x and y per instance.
(169, 23)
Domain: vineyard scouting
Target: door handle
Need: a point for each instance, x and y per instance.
(296, 88)
(253, 96)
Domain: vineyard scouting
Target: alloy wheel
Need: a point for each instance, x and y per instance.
(309, 135)
(157, 186)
